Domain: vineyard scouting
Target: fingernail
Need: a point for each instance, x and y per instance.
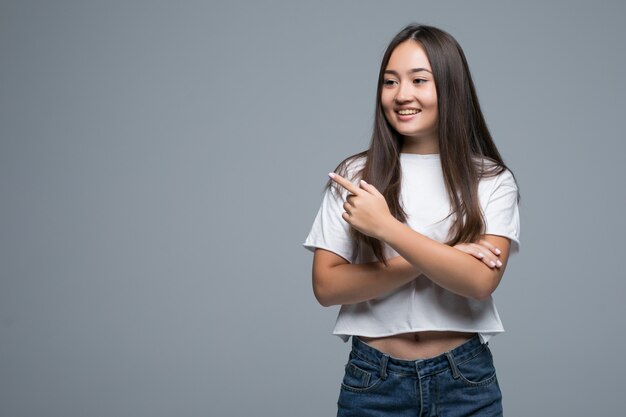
(492, 263)
(499, 263)
(331, 175)
(363, 181)
(481, 254)
(498, 251)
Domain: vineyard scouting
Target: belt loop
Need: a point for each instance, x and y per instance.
(383, 366)
(455, 370)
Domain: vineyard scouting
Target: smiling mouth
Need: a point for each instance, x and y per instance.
(408, 112)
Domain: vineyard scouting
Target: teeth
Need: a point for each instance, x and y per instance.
(404, 112)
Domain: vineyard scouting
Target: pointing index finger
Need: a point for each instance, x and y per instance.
(344, 183)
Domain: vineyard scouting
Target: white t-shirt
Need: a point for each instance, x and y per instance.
(419, 305)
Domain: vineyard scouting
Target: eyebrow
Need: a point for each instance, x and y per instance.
(411, 71)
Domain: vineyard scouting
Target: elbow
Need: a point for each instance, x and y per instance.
(485, 284)
(321, 293)
(324, 300)
(483, 291)
(481, 295)
(324, 303)
(321, 298)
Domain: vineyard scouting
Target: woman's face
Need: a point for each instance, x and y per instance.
(409, 98)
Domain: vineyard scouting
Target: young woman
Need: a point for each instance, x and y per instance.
(413, 236)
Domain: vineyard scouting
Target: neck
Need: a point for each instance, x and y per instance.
(422, 145)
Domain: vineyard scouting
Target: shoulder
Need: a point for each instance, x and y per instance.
(494, 176)
(352, 166)
(491, 170)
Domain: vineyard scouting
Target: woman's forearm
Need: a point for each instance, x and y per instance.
(456, 271)
(353, 283)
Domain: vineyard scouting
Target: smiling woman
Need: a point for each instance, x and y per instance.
(412, 237)
(409, 97)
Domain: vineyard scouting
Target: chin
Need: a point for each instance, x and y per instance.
(411, 133)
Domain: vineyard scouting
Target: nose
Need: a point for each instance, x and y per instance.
(403, 93)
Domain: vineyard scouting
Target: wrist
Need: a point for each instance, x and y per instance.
(400, 268)
(388, 229)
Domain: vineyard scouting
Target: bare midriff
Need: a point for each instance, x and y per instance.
(417, 345)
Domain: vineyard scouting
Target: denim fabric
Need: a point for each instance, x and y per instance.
(459, 383)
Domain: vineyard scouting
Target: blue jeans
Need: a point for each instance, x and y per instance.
(460, 382)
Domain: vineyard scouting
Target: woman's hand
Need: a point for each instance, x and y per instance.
(482, 250)
(365, 208)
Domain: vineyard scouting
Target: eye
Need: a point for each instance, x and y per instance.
(388, 82)
(419, 81)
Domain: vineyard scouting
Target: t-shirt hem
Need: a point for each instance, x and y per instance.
(312, 246)
(485, 335)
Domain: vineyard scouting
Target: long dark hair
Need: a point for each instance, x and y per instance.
(464, 141)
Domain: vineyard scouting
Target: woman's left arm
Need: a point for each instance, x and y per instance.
(448, 267)
(454, 270)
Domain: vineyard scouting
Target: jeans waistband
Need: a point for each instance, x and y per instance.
(424, 367)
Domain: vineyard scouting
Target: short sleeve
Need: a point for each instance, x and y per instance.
(329, 230)
(501, 210)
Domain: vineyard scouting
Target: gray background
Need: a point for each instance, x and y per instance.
(162, 162)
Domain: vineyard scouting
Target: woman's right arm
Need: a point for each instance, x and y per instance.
(336, 281)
